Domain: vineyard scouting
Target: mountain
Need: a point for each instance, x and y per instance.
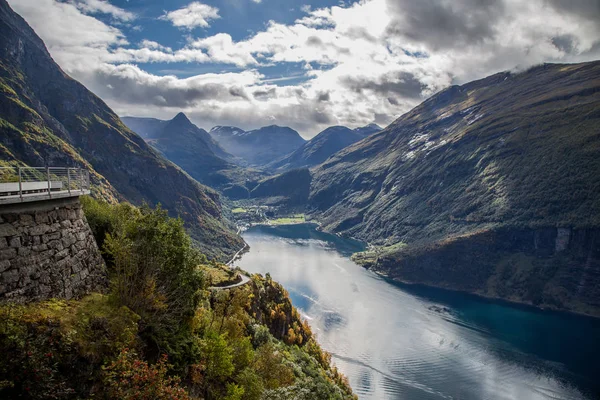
(145, 127)
(194, 150)
(368, 130)
(490, 187)
(180, 127)
(47, 118)
(290, 188)
(323, 146)
(260, 146)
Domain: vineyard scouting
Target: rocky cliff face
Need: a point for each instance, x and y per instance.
(516, 153)
(554, 268)
(47, 118)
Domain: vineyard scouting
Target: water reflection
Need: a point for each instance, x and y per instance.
(396, 342)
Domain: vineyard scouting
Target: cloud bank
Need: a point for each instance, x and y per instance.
(367, 62)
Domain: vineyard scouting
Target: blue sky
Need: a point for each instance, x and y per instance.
(239, 18)
(304, 64)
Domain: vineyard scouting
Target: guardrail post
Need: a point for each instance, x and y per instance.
(49, 188)
(80, 180)
(69, 180)
(20, 185)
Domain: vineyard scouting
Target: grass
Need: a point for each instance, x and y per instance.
(218, 275)
(372, 254)
(294, 219)
(239, 210)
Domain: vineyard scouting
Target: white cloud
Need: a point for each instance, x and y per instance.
(192, 16)
(104, 7)
(370, 61)
(150, 44)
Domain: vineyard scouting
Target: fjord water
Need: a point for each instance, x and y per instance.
(406, 342)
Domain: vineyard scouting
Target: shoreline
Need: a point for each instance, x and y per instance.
(490, 299)
(494, 299)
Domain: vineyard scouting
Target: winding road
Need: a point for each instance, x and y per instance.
(245, 279)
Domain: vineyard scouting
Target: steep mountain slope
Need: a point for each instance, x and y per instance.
(145, 127)
(290, 189)
(260, 146)
(47, 118)
(513, 152)
(323, 146)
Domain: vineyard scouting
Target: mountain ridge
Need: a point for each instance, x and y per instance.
(197, 153)
(322, 146)
(258, 147)
(49, 118)
(444, 191)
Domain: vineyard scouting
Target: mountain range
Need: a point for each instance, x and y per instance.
(48, 118)
(322, 146)
(200, 155)
(490, 187)
(178, 128)
(196, 152)
(258, 147)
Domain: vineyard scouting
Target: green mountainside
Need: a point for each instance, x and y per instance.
(290, 189)
(160, 332)
(512, 155)
(511, 149)
(47, 118)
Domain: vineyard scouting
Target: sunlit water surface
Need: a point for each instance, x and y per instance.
(402, 342)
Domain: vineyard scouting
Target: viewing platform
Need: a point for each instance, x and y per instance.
(29, 184)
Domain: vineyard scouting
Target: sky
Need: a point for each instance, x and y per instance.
(300, 63)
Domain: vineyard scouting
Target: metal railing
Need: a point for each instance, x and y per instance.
(19, 184)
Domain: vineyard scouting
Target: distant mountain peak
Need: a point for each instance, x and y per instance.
(368, 130)
(181, 118)
(258, 146)
(226, 131)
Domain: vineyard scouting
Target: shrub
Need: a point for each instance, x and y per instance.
(54, 349)
(155, 273)
(129, 378)
(103, 217)
(272, 368)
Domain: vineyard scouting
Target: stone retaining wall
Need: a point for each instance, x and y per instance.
(47, 250)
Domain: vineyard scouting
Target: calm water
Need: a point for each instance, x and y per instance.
(398, 342)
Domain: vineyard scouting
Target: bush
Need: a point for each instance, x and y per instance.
(103, 217)
(243, 344)
(129, 378)
(54, 349)
(154, 271)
